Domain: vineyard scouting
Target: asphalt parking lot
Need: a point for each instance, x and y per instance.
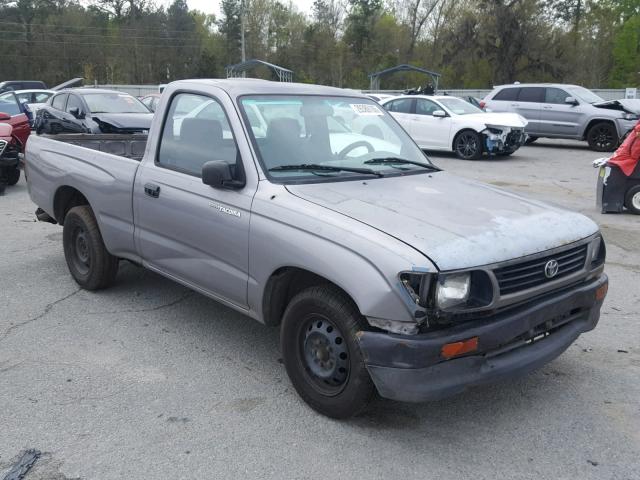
(148, 380)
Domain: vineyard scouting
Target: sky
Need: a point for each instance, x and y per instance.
(213, 6)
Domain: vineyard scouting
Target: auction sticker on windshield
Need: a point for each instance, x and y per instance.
(365, 109)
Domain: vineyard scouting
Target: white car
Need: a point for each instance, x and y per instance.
(34, 99)
(451, 124)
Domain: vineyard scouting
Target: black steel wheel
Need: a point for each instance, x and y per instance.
(602, 137)
(89, 262)
(321, 352)
(468, 145)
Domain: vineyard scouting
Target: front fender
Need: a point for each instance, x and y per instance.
(287, 231)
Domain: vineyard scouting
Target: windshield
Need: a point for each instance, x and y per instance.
(459, 107)
(318, 138)
(113, 103)
(585, 95)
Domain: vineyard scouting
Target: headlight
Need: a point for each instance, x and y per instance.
(449, 291)
(598, 251)
(452, 290)
(630, 116)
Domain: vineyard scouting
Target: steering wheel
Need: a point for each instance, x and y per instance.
(353, 146)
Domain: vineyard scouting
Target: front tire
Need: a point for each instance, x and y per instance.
(468, 145)
(602, 137)
(530, 140)
(632, 200)
(89, 262)
(13, 176)
(321, 352)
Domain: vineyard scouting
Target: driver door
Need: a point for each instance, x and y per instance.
(185, 229)
(429, 131)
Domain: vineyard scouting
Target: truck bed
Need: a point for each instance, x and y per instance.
(124, 145)
(102, 168)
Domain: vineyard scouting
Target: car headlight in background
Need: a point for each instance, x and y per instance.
(630, 116)
(452, 290)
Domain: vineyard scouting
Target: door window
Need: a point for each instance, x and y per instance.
(9, 104)
(24, 97)
(531, 94)
(426, 107)
(555, 95)
(73, 103)
(507, 94)
(196, 130)
(41, 97)
(59, 101)
(402, 105)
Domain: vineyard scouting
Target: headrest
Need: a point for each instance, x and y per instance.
(201, 131)
(283, 128)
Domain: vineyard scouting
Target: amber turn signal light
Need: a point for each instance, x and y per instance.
(602, 292)
(450, 350)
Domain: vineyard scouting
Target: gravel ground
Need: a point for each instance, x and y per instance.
(150, 380)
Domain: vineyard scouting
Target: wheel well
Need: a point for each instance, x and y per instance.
(65, 199)
(455, 137)
(283, 285)
(598, 120)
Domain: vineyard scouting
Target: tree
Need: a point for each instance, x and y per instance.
(230, 25)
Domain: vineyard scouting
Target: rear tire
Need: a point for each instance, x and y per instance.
(602, 137)
(468, 145)
(13, 176)
(89, 262)
(321, 352)
(632, 200)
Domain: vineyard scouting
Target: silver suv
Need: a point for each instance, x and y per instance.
(566, 111)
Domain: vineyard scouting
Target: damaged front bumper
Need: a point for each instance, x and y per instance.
(503, 139)
(411, 367)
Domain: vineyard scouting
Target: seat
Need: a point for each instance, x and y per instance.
(373, 131)
(282, 145)
(200, 142)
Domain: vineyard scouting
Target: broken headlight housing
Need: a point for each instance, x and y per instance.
(598, 252)
(449, 291)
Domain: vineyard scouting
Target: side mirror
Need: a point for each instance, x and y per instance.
(4, 117)
(439, 113)
(571, 101)
(76, 112)
(217, 174)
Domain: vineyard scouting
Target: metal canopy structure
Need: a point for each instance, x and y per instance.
(374, 78)
(240, 69)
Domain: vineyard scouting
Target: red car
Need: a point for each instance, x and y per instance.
(11, 112)
(9, 159)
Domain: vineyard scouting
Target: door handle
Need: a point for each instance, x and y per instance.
(515, 104)
(547, 108)
(152, 190)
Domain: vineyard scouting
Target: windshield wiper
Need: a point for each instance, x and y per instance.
(326, 168)
(398, 161)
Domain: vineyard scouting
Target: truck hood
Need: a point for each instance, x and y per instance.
(496, 119)
(124, 121)
(457, 223)
(629, 105)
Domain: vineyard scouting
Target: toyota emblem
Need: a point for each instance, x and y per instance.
(551, 269)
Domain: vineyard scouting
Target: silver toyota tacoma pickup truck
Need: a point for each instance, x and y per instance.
(311, 209)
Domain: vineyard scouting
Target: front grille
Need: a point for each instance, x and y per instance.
(3, 144)
(531, 273)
